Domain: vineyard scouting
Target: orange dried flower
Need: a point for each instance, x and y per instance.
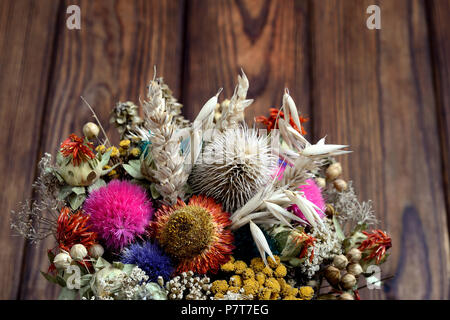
(77, 148)
(194, 234)
(73, 229)
(272, 120)
(377, 243)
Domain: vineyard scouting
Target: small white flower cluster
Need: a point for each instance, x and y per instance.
(188, 287)
(235, 296)
(127, 287)
(134, 283)
(326, 246)
(350, 210)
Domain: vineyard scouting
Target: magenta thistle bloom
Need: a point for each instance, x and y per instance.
(119, 212)
(312, 193)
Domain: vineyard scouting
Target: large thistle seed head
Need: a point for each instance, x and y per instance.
(233, 167)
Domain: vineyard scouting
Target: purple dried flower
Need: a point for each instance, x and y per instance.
(150, 258)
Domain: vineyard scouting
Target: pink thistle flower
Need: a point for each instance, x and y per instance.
(312, 193)
(119, 212)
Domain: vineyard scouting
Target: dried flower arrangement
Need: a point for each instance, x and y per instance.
(209, 209)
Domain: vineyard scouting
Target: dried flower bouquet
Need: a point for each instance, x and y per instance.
(209, 209)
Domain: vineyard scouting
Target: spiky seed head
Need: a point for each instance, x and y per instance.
(233, 167)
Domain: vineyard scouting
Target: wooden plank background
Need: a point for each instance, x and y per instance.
(385, 92)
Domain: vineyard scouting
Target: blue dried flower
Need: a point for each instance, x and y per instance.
(150, 258)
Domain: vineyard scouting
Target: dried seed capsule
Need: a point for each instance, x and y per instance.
(329, 210)
(354, 269)
(333, 171)
(78, 252)
(346, 296)
(91, 130)
(321, 182)
(340, 261)
(348, 281)
(354, 255)
(333, 275)
(340, 185)
(96, 251)
(62, 260)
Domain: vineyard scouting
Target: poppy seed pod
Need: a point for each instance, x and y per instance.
(354, 255)
(340, 185)
(91, 130)
(96, 251)
(348, 281)
(340, 261)
(321, 182)
(333, 171)
(78, 252)
(355, 269)
(62, 260)
(346, 296)
(333, 275)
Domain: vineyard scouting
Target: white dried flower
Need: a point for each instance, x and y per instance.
(96, 251)
(233, 167)
(62, 260)
(78, 252)
(91, 130)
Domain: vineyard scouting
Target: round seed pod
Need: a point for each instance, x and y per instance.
(329, 210)
(354, 269)
(340, 185)
(333, 275)
(340, 261)
(348, 281)
(333, 171)
(346, 296)
(91, 130)
(96, 251)
(354, 255)
(321, 182)
(62, 260)
(78, 252)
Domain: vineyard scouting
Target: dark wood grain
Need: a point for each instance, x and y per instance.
(26, 40)
(268, 39)
(373, 89)
(110, 59)
(439, 24)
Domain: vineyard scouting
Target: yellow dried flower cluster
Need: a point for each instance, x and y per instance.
(259, 281)
(125, 149)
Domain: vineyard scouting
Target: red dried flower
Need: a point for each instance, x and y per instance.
(377, 243)
(77, 148)
(73, 229)
(272, 121)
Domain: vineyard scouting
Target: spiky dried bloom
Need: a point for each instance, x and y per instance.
(233, 167)
(78, 149)
(119, 212)
(350, 211)
(125, 117)
(37, 220)
(195, 234)
(73, 229)
(150, 258)
(232, 113)
(272, 121)
(164, 163)
(377, 243)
